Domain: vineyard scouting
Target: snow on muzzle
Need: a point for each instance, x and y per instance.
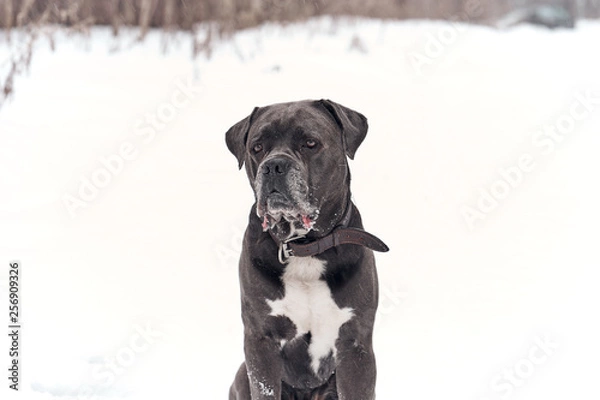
(282, 194)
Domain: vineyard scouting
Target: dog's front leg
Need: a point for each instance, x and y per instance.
(264, 366)
(356, 370)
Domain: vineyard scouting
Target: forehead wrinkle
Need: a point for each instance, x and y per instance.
(282, 124)
(262, 130)
(294, 118)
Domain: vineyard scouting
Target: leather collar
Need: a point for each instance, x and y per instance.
(341, 234)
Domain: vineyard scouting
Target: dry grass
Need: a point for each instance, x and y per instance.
(32, 19)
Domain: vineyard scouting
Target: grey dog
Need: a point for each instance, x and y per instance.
(309, 286)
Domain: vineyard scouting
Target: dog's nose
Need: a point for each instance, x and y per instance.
(276, 166)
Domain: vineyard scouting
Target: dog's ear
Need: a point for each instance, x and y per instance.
(353, 124)
(237, 135)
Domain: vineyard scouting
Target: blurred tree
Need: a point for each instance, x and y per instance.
(239, 14)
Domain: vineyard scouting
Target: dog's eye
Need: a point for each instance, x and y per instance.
(311, 143)
(257, 148)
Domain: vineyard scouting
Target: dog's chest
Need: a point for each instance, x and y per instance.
(309, 304)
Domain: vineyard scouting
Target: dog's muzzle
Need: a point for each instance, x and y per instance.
(282, 193)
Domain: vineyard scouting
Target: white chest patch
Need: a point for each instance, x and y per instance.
(309, 305)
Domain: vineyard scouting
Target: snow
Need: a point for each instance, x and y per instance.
(499, 307)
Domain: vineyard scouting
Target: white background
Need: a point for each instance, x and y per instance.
(449, 108)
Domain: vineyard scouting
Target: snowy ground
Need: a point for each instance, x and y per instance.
(480, 171)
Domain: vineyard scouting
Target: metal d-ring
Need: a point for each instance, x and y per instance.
(284, 253)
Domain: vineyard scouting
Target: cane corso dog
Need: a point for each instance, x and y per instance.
(309, 287)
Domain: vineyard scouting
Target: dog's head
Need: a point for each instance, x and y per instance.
(295, 156)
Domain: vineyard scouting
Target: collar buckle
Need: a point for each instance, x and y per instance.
(285, 253)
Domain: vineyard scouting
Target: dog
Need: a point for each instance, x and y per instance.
(308, 281)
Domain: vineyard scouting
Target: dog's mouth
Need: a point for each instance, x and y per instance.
(276, 208)
(306, 221)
